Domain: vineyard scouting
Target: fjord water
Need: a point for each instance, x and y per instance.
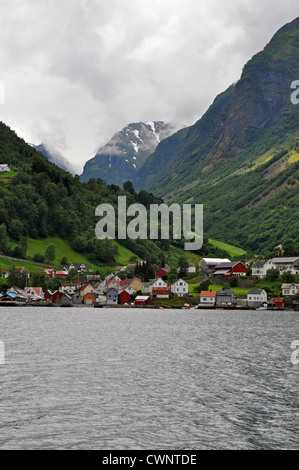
(83, 378)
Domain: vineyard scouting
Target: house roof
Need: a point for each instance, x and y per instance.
(213, 261)
(161, 290)
(288, 286)
(167, 270)
(37, 290)
(259, 263)
(229, 265)
(142, 297)
(224, 292)
(256, 291)
(222, 271)
(291, 259)
(205, 293)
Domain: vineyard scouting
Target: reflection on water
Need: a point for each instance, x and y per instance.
(148, 379)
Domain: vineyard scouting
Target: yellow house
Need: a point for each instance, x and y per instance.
(136, 284)
(87, 289)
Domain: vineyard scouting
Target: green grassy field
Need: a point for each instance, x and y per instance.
(233, 251)
(214, 287)
(6, 264)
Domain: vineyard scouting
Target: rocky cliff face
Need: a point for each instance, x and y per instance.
(125, 154)
(256, 112)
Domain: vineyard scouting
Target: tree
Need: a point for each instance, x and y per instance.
(16, 278)
(287, 277)
(50, 252)
(16, 229)
(128, 186)
(3, 238)
(272, 274)
(38, 257)
(183, 266)
(203, 286)
(38, 279)
(233, 281)
(64, 261)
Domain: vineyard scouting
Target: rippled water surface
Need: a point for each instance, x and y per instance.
(148, 379)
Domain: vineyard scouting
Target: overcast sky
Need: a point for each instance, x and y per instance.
(75, 72)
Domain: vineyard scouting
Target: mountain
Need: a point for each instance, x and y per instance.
(241, 159)
(121, 158)
(40, 202)
(54, 157)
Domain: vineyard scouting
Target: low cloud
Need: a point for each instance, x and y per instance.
(75, 73)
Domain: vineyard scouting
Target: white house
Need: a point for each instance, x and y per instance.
(208, 298)
(179, 288)
(157, 283)
(4, 167)
(284, 264)
(256, 297)
(34, 293)
(289, 290)
(101, 287)
(261, 266)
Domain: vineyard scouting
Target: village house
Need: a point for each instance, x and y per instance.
(279, 302)
(224, 297)
(256, 297)
(115, 284)
(124, 296)
(87, 289)
(159, 282)
(289, 290)
(52, 274)
(69, 288)
(89, 298)
(261, 266)
(285, 264)
(23, 270)
(145, 288)
(79, 267)
(180, 288)
(162, 272)
(34, 293)
(136, 284)
(161, 292)
(101, 287)
(4, 168)
(19, 294)
(207, 265)
(208, 298)
(142, 300)
(227, 270)
(112, 296)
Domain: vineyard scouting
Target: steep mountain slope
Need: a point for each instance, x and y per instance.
(54, 157)
(121, 158)
(240, 159)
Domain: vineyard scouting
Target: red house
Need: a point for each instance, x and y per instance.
(143, 300)
(279, 302)
(124, 297)
(227, 270)
(162, 272)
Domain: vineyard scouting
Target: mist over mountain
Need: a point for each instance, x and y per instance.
(55, 157)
